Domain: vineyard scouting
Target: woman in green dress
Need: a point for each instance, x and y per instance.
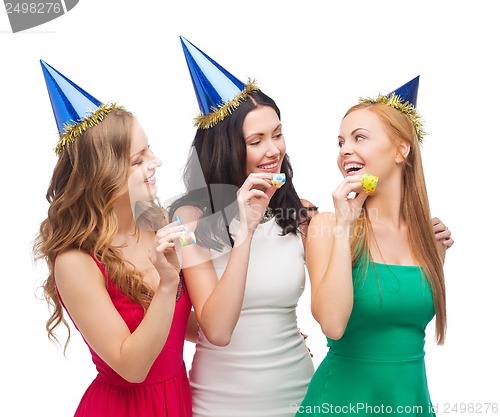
(376, 271)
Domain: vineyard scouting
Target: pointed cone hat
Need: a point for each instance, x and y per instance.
(408, 92)
(218, 91)
(74, 109)
(403, 99)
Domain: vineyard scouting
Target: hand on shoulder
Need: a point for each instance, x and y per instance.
(312, 210)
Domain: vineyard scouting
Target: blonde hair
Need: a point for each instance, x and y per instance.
(91, 174)
(415, 211)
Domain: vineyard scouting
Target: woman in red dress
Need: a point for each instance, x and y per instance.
(120, 286)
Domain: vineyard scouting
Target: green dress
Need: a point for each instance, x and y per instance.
(377, 367)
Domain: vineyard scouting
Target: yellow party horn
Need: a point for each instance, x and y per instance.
(369, 183)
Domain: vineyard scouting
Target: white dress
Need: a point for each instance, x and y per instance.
(266, 368)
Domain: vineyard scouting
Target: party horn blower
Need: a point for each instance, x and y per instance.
(278, 180)
(187, 238)
(369, 183)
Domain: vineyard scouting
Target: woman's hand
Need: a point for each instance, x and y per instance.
(305, 336)
(163, 255)
(443, 236)
(347, 210)
(253, 198)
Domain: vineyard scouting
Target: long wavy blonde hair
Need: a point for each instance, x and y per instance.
(91, 174)
(415, 211)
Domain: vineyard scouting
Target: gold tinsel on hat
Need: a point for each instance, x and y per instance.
(74, 130)
(206, 121)
(407, 108)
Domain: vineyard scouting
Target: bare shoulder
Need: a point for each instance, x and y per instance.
(188, 214)
(311, 208)
(73, 264)
(73, 258)
(326, 218)
(322, 226)
(307, 203)
(319, 243)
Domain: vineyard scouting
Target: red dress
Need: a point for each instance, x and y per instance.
(164, 392)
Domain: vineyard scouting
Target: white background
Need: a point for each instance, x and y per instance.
(315, 59)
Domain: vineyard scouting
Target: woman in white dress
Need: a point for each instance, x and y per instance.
(250, 359)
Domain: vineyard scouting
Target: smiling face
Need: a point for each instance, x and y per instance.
(143, 163)
(365, 146)
(265, 144)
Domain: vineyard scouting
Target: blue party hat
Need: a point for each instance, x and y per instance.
(408, 92)
(403, 99)
(74, 109)
(217, 90)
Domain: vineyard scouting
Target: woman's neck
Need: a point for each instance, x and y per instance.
(384, 207)
(126, 225)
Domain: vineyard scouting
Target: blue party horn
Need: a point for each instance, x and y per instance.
(187, 238)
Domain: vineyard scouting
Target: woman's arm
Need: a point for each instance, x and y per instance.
(330, 272)
(329, 259)
(218, 302)
(192, 328)
(82, 289)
